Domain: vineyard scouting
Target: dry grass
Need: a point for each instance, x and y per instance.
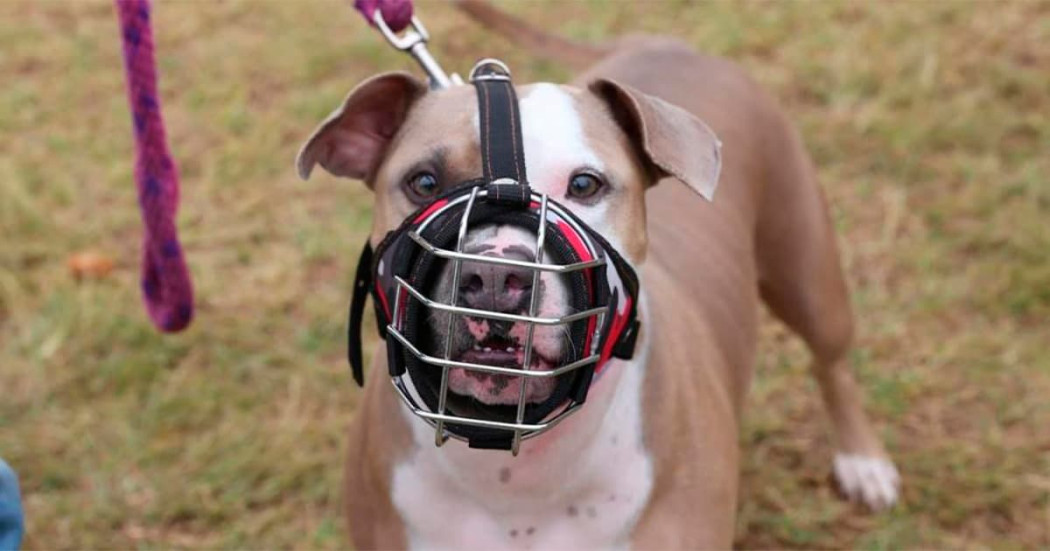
(929, 123)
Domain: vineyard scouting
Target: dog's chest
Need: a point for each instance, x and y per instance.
(439, 515)
(554, 495)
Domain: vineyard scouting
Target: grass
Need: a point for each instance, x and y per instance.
(929, 124)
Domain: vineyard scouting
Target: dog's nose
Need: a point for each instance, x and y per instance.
(497, 288)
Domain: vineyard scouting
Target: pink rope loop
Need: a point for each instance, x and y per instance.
(166, 285)
(396, 13)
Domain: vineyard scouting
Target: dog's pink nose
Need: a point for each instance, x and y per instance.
(496, 288)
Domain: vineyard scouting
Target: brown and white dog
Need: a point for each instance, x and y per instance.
(652, 460)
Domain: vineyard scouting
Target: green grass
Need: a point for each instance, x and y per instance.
(928, 122)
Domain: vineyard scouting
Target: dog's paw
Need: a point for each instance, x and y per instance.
(873, 481)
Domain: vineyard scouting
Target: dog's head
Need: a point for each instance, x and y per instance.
(595, 151)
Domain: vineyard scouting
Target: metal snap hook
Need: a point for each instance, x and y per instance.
(414, 41)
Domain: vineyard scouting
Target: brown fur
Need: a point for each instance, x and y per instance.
(768, 230)
(768, 226)
(706, 264)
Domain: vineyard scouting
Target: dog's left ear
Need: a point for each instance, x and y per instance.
(353, 140)
(671, 139)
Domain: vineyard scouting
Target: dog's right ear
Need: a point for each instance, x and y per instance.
(352, 141)
(671, 139)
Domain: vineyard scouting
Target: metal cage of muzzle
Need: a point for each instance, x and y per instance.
(406, 291)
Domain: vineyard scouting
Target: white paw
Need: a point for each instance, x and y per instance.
(873, 481)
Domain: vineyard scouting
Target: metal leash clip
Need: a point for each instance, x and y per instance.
(414, 41)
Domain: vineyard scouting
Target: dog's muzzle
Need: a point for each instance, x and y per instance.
(403, 272)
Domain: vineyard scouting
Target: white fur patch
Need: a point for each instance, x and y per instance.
(555, 147)
(554, 141)
(873, 481)
(582, 485)
(555, 144)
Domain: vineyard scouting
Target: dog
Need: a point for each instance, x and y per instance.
(635, 146)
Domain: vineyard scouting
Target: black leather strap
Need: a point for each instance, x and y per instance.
(502, 153)
(624, 347)
(496, 442)
(362, 284)
(503, 165)
(511, 195)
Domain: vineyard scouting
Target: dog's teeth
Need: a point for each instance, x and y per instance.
(510, 349)
(476, 347)
(488, 349)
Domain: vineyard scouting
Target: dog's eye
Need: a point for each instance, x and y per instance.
(585, 185)
(423, 185)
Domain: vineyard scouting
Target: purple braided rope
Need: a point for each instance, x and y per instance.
(396, 13)
(166, 285)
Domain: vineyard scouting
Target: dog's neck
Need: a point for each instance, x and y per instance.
(585, 453)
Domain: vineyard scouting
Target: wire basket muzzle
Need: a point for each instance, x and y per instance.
(419, 365)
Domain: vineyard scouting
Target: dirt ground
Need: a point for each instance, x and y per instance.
(929, 123)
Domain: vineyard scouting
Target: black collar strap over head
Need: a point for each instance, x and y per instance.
(602, 297)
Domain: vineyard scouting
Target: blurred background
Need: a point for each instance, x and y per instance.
(929, 124)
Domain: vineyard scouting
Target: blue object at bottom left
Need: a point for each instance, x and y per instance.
(12, 521)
